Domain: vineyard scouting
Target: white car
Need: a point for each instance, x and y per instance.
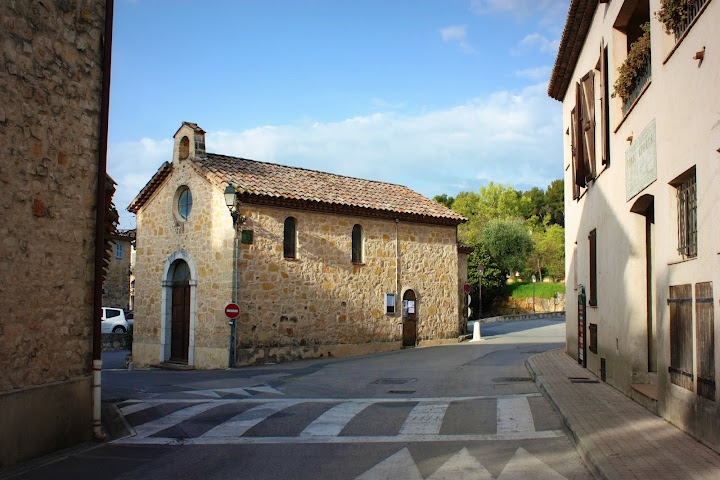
(113, 320)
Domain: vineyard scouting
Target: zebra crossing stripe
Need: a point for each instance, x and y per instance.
(244, 421)
(135, 407)
(334, 420)
(425, 419)
(150, 428)
(513, 415)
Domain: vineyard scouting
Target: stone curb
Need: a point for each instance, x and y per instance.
(591, 454)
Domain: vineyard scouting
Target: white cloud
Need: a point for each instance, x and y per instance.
(457, 33)
(508, 137)
(538, 74)
(539, 42)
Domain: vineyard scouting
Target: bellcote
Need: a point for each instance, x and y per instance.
(189, 142)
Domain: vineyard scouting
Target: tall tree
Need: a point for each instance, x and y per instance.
(509, 242)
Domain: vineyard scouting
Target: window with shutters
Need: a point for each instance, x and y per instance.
(582, 133)
(290, 239)
(604, 92)
(705, 335)
(119, 251)
(681, 341)
(686, 199)
(592, 294)
(632, 52)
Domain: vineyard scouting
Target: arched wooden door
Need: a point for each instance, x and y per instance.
(409, 306)
(180, 324)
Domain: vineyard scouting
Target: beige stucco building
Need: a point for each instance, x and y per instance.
(325, 263)
(52, 118)
(641, 175)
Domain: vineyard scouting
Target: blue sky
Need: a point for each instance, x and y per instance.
(442, 96)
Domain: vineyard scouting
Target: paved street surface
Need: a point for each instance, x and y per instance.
(462, 411)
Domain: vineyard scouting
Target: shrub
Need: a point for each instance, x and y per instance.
(673, 13)
(637, 58)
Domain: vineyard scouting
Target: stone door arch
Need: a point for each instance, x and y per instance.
(178, 327)
(409, 312)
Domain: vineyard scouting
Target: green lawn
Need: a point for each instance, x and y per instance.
(521, 290)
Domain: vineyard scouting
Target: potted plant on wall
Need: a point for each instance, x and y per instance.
(673, 13)
(633, 68)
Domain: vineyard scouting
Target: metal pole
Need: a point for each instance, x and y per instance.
(233, 326)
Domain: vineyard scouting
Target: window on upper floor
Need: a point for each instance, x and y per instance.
(678, 15)
(632, 52)
(357, 244)
(118, 251)
(290, 238)
(686, 197)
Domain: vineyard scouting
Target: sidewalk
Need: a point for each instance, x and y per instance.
(617, 438)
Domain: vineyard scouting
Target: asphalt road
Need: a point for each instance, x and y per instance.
(462, 411)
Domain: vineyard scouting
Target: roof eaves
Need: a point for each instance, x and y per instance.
(577, 25)
(148, 190)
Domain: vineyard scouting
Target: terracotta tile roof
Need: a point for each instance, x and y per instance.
(578, 23)
(150, 187)
(274, 184)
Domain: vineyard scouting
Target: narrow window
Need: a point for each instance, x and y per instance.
(390, 303)
(290, 238)
(118, 251)
(357, 244)
(686, 190)
(593, 338)
(592, 300)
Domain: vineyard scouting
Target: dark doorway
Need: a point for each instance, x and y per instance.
(409, 319)
(645, 206)
(180, 326)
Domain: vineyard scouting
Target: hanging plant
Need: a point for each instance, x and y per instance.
(634, 65)
(673, 13)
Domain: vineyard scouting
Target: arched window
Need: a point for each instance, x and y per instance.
(357, 244)
(184, 202)
(290, 238)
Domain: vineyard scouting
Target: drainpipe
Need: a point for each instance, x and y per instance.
(100, 219)
(397, 267)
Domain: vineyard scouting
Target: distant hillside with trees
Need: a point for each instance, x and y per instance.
(513, 233)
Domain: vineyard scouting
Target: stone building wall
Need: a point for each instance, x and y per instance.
(116, 288)
(50, 85)
(316, 305)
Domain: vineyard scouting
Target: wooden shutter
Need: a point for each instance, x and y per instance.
(604, 105)
(587, 100)
(573, 149)
(681, 361)
(705, 333)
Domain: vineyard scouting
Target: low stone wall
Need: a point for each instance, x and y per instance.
(528, 305)
(113, 341)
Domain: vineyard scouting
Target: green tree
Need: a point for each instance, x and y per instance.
(555, 202)
(509, 242)
(444, 200)
(493, 280)
(548, 257)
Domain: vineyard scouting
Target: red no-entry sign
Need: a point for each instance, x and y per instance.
(232, 310)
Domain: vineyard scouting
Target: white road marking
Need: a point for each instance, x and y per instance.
(425, 419)
(243, 422)
(513, 415)
(462, 466)
(334, 420)
(150, 428)
(399, 466)
(233, 440)
(135, 407)
(523, 465)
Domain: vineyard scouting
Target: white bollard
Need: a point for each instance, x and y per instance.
(476, 332)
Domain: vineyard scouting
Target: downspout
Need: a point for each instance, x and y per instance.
(397, 267)
(100, 220)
